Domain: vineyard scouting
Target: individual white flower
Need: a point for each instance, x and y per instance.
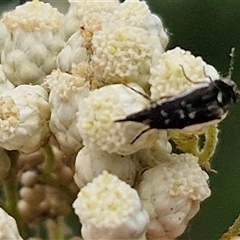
(91, 162)
(24, 115)
(136, 13)
(67, 91)
(108, 208)
(35, 39)
(83, 10)
(8, 227)
(176, 71)
(74, 52)
(124, 53)
(181, 186)
(97, 120)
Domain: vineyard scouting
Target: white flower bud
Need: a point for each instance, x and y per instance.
(91, 162)
(29, 211)
(110, 209)
(30, 52)
(29, 178)
(24, 118)
(8, 227)
(83, 10)
(124, 53)
(136, 13)
(170, 75)
(67, 91)
(171, 193)
(98, 113)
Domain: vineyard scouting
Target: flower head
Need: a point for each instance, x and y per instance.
(123, 53)
(24, 118)
(66, 92)
(82, 11)
(32, 16)
(177, 71)
(29, 53)
(137, 13)
(109, 208)
(181, 186)
(100, 110)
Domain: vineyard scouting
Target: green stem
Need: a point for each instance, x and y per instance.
(11, 190)
(211, 140)
(50, 160)
(54, 227)
(233, 231)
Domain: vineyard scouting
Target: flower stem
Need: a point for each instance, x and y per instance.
(211, 140)
(50, 160)
(55, 227)
(233, 231)
(11, 190)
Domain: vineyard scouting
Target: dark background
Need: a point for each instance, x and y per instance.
(209, 28)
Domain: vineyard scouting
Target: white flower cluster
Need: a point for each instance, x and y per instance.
(87, 71)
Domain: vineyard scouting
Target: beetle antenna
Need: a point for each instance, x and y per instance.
(205, 74)
(139, 135)
(133, 89)
(185, 75)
